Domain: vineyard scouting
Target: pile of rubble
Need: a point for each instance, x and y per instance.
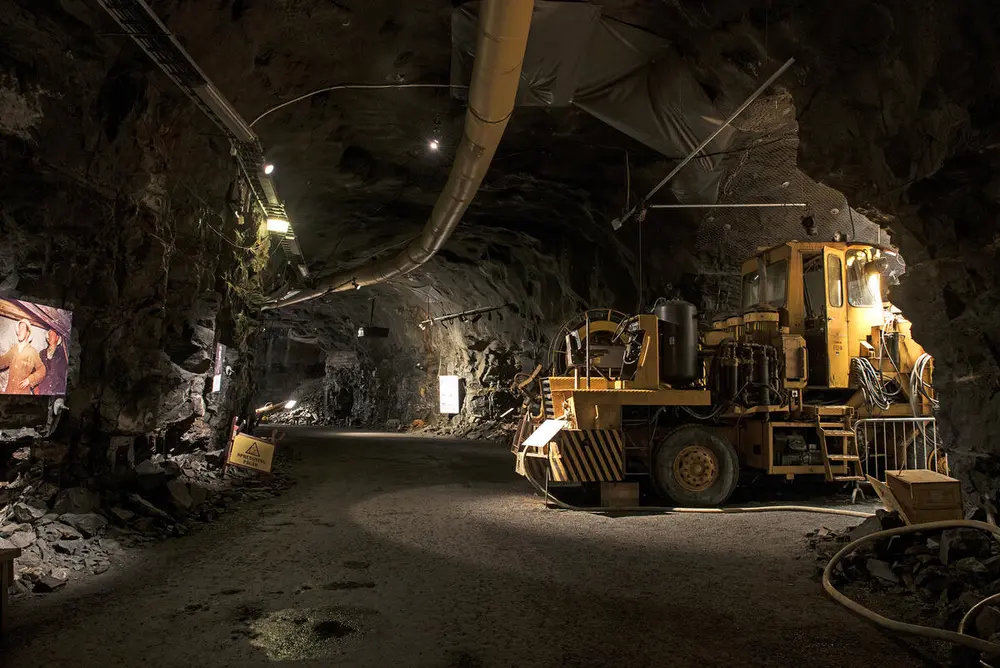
(65, 533)
(473, 429)
(930, 578)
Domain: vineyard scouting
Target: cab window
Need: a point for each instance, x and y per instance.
(835, 280)
(775, 290)
(751, 289)
(777, 282)
(863, 281)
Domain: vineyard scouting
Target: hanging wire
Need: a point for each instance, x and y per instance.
(328, 89)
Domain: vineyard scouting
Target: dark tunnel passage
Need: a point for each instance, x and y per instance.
(178, 180)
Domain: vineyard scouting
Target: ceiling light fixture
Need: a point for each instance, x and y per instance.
(434, 144)
(279, 225)
(268, 169)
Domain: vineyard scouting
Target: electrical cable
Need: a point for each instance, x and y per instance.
(328, 89)
(682, 510)
(899, 374)
(957, 638)
(918, 387)
(870, 384)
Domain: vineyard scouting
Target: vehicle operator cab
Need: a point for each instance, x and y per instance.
(831, 294)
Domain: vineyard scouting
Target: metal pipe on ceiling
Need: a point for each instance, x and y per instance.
(503, 35)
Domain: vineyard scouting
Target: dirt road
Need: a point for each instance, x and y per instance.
(396, 551)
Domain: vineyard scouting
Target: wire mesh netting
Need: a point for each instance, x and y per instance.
(761, 167)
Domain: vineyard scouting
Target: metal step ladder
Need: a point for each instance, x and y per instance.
(847, 452)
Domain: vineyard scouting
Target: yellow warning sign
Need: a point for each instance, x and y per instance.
(251, 453)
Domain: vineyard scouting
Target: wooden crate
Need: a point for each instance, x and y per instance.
(925, 489)
(619, 494)
(926, 496)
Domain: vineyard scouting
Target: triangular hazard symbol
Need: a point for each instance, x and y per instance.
(253, 450)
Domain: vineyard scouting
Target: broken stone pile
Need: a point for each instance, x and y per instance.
(931, 577)
(304, 415)
(475, 429)
(66, 533)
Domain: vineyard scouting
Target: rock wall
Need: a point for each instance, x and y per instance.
(116, 203)
(895, 103)
(538, 272)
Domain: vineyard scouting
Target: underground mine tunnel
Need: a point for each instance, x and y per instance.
(499, 333)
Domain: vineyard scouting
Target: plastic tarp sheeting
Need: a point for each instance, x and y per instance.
(627, 77)
(556, 46)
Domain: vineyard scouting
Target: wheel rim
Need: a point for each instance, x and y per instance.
(696, 468)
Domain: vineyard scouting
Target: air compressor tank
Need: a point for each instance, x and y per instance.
(678, 341)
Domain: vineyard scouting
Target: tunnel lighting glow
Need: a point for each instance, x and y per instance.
(269, 169)
(290, 404)
(433, 145)
(279, 225)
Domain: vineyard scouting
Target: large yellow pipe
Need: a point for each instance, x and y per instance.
(503, 35)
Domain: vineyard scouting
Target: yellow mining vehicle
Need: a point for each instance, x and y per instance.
(817, 375)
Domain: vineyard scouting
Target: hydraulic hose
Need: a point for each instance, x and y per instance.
(709, 511)
(959, 638)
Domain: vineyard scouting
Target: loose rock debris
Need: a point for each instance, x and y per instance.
(67, 533)
(930, 578)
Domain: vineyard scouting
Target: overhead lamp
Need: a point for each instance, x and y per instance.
(809, 223)
(290, 404)
(279, 225)
(434, 144)
(372, 332)
(269, 169)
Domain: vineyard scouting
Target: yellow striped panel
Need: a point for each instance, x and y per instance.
(591, 455)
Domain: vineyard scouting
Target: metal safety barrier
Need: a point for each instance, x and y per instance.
(890, 444)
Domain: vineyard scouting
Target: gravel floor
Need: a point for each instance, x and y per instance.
(394, 551)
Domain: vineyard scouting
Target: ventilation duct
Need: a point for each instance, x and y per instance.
(502, 36)
(628, 78)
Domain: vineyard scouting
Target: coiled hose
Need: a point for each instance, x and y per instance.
(956, 638)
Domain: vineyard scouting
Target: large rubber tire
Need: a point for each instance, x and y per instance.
(694, 467)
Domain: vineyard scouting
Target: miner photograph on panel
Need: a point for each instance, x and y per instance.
(500, 333)
(34, 356)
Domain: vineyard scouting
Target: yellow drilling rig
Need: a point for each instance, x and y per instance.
(817, 375)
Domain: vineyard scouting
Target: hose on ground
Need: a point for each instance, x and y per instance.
(974, 610)
(957, 638)
(679, 510)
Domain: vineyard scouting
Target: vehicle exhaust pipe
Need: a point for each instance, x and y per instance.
(503, 36)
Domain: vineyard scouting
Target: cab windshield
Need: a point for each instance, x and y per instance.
(774, 292)
(864, 277)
